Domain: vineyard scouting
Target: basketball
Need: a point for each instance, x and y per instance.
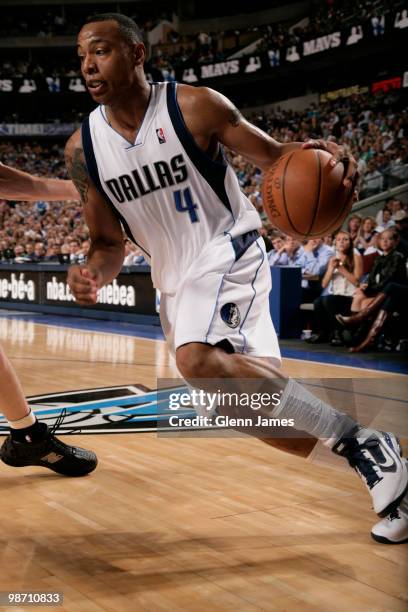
(304, 195)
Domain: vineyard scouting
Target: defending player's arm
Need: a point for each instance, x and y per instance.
(18, 185)
(219, 117)
(105, 257)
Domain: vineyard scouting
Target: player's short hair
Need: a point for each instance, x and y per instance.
(128, 29)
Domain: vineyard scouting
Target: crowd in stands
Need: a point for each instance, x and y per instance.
(339, 272)
(201, 47)
(375, 127)
(326, 17)
(54, 21)
(343, 274)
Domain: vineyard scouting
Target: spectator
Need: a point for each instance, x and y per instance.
(39, 252)
(396, 208)
(51, 255)
(328, 240)
(64, 255)
(133, 255)
(277, 240)
(342, 276)
(291, 253)
(82, 252)
(388, 206)
(401, 224)
(365, 233)
(391, 299)
(388, 267)
(74, 251)
(387, 221)
(373, 181)
(316, 256)
(20, 255)
(7, 254)
(353, 226)
(29, 252)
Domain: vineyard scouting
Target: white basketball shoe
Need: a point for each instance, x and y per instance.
(376, 457)
(394, 528)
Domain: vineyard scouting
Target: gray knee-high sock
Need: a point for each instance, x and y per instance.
(312, 414)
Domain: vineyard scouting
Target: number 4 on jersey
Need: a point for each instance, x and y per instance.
(188, 204)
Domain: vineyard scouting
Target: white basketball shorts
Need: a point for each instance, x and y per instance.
(224, 297)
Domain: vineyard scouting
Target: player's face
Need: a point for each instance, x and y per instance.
(107, 61)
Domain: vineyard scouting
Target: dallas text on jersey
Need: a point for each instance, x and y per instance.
(147, 179)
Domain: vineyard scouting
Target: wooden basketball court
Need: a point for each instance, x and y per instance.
(184, 524)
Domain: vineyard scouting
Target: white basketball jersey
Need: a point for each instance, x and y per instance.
(171, 197)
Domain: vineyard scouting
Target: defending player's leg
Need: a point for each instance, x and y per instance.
(30, 441)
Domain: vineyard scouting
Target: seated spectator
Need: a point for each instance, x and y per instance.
(393, 298)
(133, 255)
(373, 246)
(387, 221)
(341, 279)
(7, 253)
(64, 255)
(401, 223)
(396, 208)
(20, 255)
(313, 258)
(74, 252)
(388, 206)
(51, 255)
(290, 253)
(329, 240)
(82, 252)
(388, 267)
(29, 252)
(39, 252)
(353, 226)
(277, 240)
(372, 182)
(365, 234)
(316, 256)
(264, 233)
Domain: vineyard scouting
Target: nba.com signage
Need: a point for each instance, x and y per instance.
(131, 292)
(119, 293)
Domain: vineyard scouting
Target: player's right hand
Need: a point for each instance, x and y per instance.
(84, 282)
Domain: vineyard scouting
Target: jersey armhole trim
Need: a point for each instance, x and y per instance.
(213, 171)
(92, 168)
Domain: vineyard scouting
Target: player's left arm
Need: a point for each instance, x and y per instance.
(238, 134)
(18, 185)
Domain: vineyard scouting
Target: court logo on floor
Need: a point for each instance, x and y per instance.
(124, 409)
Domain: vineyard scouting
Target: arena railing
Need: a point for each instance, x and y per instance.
(372, 204)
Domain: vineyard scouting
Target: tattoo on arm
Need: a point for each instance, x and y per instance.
(77, 171)
(234, 117)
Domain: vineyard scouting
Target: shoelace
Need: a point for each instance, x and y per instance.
(394, 515)
(58, 422)
(359, 461)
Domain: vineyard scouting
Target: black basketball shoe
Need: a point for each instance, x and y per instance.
(50, 453)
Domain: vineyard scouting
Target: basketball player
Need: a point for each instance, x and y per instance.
(31, 442)
(148, 158)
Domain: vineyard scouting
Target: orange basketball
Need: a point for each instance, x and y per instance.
(304, 196)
